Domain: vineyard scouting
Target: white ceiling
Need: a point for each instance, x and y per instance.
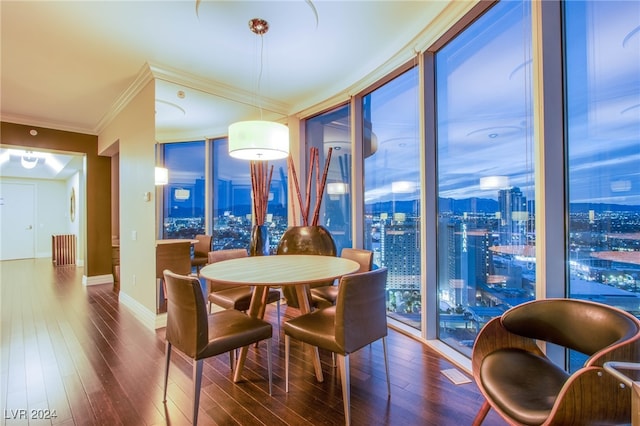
(67, 64)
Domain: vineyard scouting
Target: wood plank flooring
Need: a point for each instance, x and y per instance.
(74, 352)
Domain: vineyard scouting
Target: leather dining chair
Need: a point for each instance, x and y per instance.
(526, 388)
(199, 335)
(326, 295)
(233, 296)
(358, 318)
(201, 251)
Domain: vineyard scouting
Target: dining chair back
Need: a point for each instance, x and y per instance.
(358, 319)
(199, 335)
(236, 297)
(326, 295)
(218, 256)
(201, 251)
(312, 240)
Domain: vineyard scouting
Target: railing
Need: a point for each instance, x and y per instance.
(63, 249)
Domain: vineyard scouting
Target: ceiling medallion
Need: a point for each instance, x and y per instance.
(258, 26)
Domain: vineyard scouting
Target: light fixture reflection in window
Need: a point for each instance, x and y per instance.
(337, 188)
(403, 187)
(162, 175)
(494, 182)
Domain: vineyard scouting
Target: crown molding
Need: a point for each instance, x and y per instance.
(216, 88)
(35, 122)
(151, 72)
(143, 77)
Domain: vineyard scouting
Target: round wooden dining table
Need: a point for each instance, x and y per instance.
(296, 270)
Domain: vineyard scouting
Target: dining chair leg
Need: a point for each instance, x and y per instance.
(166, 369)
(232, 356)
(287, 340)
(386, 365)
(482, 413)
(269, 365)
(197, 383)
(343, 365)
(278, 316)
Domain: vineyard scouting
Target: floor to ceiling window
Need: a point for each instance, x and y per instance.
(332, 130)
(602, 61)
(485, 173)
(232, 200)
(183, 205)
(392, 191)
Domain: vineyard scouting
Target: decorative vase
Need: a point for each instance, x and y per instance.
(316, 240)
(259, 243)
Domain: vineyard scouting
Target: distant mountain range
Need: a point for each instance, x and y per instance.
(487, 205)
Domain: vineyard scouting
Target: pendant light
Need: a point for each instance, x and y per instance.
(28, 160)
(258, 140)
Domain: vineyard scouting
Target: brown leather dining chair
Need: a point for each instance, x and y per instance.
(326, 295)
(233, 296)
(526, 388)
(200, 335)
(201, 251)
(358, 318)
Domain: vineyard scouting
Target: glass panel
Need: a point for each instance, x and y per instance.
(485, 173)
(603, 105)
(184, 198)
(232, 197)
(332, 129)
(392, 192)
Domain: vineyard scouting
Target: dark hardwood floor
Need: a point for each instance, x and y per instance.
(74, 352)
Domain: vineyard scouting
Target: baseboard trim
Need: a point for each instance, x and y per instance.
(97, 279)
(149, 319)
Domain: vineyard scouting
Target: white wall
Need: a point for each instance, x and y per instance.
(133, 129)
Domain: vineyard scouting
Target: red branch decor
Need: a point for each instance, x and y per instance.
(314, 160)
(260, 185)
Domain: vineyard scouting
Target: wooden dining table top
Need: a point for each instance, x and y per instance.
(279, 270)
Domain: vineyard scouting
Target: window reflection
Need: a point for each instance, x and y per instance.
(603, 105)
(486, 234)
(392, 192)
(183, 208)
(232, 198)
(332, 130)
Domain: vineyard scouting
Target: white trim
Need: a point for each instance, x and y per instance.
(143, 77)
(97, 279)
(458, 359)
(161, 321)
(149, 319)
(216, 88)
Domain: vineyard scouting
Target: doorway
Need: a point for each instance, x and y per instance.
(17, 219)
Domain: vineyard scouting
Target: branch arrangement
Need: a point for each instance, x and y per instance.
(314, 162)
(260, 185)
